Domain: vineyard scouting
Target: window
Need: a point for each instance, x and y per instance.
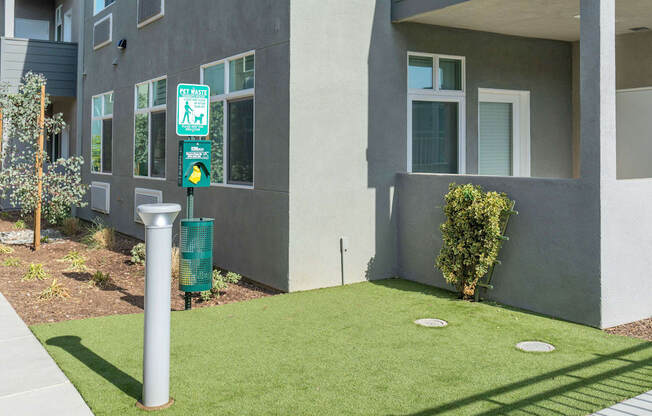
(231, 83)
(149, 128)
(103, 31)
(436, 113)
(102, 133)
(150, 11)
(503, 132)
(58, 24)
(101, 5)
(32, 29)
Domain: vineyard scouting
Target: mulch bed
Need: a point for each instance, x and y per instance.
(123, 294)
(640, 329)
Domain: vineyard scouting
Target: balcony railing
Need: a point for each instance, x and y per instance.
(57, 61)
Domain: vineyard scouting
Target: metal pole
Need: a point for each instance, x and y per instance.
(191, 206)
(39, 174)
(158, 220)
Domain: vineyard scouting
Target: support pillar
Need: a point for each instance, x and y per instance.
(10, 7)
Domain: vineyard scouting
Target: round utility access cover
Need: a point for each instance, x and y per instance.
(431, 322)
(535, 346)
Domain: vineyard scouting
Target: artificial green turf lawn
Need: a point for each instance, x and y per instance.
(355, 350)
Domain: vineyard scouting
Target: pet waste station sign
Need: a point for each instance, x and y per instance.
(192, 109)
(194, 163)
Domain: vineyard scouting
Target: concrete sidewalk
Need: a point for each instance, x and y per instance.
(30, 381)
(638, 406)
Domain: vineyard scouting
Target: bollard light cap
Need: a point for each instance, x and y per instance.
(158, 215)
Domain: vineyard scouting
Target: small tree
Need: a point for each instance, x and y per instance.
(62, 187)
(471, 234)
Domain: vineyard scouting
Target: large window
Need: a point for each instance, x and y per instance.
(102, 133)
(149, 128)
(100, 5)
(436, 119)
(231, 82)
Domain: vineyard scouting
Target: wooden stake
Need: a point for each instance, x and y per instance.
(39, 174)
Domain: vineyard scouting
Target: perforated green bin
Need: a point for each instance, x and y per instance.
(196, 255)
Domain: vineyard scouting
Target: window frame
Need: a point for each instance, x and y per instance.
(108, 41)
(520, 100)
(95, 13)
(101, 118)
(58, 22)
(149, 110)
(436, 94)
(225, 98)
(151, 19)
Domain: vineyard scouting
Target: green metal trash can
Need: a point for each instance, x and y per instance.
(196, 255)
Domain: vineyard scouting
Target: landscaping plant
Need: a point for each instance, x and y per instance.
(11, 262)
(99, 279)
(6, 249)
(19, 225)
(220, 282)
(35, 271)
(61, 182)
(99, 235)
(55, 290)
(71, 226)
(76, 260)
(471, 234)
(138, 254)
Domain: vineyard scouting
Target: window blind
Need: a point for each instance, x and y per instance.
(495, 139)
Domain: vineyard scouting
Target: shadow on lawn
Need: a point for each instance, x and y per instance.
(112, 374)
(575, 393)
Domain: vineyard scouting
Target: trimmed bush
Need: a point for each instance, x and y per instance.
(471, 234)
(138, 254)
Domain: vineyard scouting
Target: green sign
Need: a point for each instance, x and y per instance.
(192, 109)
(194, 163)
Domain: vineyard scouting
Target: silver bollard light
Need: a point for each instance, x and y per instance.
(158, 220)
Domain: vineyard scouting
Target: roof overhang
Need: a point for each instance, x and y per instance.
(549, 19)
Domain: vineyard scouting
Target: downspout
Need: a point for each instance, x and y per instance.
(80, 82)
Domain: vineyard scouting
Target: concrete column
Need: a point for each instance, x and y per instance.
(10, 6)
(598, 90)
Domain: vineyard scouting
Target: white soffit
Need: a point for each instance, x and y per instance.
(546, 19)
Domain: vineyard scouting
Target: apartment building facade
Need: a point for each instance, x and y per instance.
(336, 128)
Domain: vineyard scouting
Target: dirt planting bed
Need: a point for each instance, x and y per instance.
(121, 294)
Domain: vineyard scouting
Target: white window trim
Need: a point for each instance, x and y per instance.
(225, 98)
(438, 95)
(156, 193)
(520, 100)
(149, 110)
(95, 13)
(107, 187)
(102, 117)
(153, 18)
(107, 42)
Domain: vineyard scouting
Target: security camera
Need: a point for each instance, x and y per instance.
(122, 44)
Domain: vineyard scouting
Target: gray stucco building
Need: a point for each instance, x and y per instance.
(338, 125)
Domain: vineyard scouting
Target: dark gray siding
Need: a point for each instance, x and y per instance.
(56, 60)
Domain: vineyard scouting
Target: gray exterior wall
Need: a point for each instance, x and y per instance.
(251, 225)
(348, 135)
(551, 264)
(56, 60)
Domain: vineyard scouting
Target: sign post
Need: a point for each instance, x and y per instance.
(194, 169)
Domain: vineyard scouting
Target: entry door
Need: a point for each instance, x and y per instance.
(503, 133)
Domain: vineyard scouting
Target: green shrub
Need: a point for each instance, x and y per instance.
(19, 225)
(35, 271)
(471, 234)
(220, 282)
(138, 254)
